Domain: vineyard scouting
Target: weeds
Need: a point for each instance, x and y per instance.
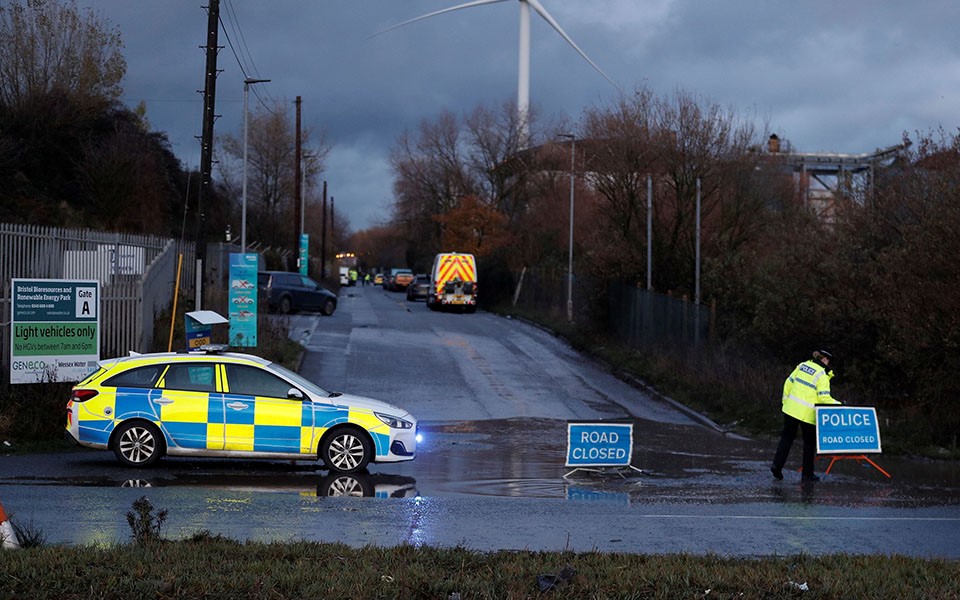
(144, 525)
(29, 535)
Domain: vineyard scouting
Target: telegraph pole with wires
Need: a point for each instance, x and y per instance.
(206, 140)
(296, 186)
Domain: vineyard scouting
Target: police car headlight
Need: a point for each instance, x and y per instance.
(395, 422)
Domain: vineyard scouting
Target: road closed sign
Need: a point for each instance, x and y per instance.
(847, 430)
(599, 444)
(56, 330)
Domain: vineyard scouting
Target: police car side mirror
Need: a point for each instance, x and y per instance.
(294, 394)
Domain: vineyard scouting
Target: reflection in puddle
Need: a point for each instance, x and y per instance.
(136, 483)
(519, 488)
(333, 485)
(582, 494)
(364, 485)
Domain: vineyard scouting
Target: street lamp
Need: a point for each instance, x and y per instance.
(243, 212)
(573, 169)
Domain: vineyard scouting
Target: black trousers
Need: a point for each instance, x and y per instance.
(809, 431)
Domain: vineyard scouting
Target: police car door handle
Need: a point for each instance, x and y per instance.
(163, 400)
(237, 405)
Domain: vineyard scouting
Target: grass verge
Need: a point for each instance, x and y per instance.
(213, 567)
(738, 391)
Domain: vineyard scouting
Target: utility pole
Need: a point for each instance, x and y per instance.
(323, 236)
(206, 140)
(696, 293)
(296, 187)
(649, 233)
(573, 173)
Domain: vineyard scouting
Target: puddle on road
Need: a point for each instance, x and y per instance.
(525, 458)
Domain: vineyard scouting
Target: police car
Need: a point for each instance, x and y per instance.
(222, 404)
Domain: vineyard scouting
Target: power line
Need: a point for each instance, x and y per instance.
(243, 70)
(232, 15)
(238, 56)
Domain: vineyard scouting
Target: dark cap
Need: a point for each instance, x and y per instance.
(823, 352)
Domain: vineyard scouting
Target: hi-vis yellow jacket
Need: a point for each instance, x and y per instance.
(807, 386)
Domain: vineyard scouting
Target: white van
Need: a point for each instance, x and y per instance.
(453, 282)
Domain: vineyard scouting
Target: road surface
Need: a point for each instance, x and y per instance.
(493, 396)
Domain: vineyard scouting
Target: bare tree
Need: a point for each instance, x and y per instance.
(431, 176)
(622, 149)
(699, 141)
(676, 141)
(271, 172)
(495, 139)
(48, 46)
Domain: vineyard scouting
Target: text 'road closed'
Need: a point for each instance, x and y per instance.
(598, 444)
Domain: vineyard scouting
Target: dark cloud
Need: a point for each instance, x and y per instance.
(844, 77)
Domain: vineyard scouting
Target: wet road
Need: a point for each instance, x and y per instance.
(493, 396)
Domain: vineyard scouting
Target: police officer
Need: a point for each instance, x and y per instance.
(807, 386)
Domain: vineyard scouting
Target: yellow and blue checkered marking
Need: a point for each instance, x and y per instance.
(231, 422)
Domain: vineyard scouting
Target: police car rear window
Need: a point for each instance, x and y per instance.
(140, 377)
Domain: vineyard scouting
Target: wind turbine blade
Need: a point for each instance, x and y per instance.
(535, 4)
(439, 12)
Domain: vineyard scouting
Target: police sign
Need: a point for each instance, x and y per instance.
(847, 430)
(599, 444)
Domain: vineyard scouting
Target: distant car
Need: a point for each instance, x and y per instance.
(224, 404)
(378, 279)
(291, 292)
(400, 280)
(419, 289)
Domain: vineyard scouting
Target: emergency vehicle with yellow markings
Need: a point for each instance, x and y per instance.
(223, 404)
(453, 282)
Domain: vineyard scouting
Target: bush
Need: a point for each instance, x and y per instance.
(33, 411)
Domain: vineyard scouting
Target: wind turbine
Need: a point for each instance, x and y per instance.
(523, 71)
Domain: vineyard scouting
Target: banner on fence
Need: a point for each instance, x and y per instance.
(243, 299)
(55, 326)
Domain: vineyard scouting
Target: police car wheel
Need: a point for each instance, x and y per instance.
(138, 444)
(346, 450)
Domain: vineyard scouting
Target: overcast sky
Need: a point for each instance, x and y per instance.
(829, 76)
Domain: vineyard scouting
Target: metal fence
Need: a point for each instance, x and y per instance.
(642, 318)
(137, 274)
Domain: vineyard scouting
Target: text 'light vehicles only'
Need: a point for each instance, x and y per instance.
(213, 403)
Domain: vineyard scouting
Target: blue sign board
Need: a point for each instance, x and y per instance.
(847, 430)
(243, 299)
(304, 249)
(197, 334)
(599, 444)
